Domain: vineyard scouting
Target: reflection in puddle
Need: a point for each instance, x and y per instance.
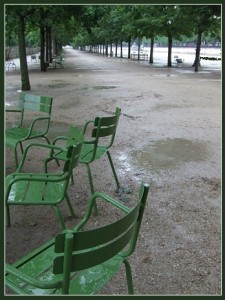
(103, 87)
(168, 153)
(99, 87)
(57, 85)
(124, 159)
(165, 75)
(11, 103)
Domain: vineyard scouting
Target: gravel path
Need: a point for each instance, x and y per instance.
(169, 136)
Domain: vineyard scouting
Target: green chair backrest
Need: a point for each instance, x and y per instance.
(74, 136)
(35, 103)
(84, 249)
(41, 104)
(75, 139)
(106, 126)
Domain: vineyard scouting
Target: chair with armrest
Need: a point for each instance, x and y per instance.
(48, 188)
(103, 131)
(80, 261)
(34, 114)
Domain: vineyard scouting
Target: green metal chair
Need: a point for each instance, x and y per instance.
(28, 127)
(42, 188)
(103, 130)
(79, 261)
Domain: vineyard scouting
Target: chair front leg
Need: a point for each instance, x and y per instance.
(59, 216)
(70, 206)
(129, 277)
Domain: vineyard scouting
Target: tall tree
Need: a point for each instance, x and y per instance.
(205, 19)
(15, 18)
(170, 22)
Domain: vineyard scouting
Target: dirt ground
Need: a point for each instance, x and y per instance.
(169, 135)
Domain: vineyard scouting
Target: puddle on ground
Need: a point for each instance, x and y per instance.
(103, 87)
(169, 153)
(57, 85)
(165, 75)
(99, 87)
(160, 107)
(11, 104)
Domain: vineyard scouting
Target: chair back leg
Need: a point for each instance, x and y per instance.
(16, 156)
(91, 186)
(114, 171)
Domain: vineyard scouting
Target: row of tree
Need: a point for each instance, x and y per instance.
(82, 25)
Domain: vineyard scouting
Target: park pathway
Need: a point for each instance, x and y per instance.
(169, 135)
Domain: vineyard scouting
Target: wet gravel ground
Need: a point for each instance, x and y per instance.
(169, 135)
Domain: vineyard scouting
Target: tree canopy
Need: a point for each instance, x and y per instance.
(52, 26)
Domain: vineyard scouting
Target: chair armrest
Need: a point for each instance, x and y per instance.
(42, 177)
(112, 201)
(34, 122)
(33, 281)
(29, 146)
(87, 124)
(90, 205)
(60, 138)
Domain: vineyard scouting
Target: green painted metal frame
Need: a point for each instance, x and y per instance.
(15, 136)
(93, 149)
(43, 188)
(79, 261)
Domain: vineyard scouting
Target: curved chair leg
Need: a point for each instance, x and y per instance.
(48, 160)
(70, 206)
(113, 169)
(46, 164)
(91, 186)
(21, 147)
(59, 216)
(129, 277)
(72, 179)
(47, 140)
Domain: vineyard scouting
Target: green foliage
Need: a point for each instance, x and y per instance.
(33, 38)
(90, 24)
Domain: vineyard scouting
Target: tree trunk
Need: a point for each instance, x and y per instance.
(23, 57)
(46, 45)
(196, 63)
(139, 46)
(151, 51)
(48, 49)
(42, 38)
(111, 52)
(116, 48)
(121, 49)
(129, 46)
(170, 44)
